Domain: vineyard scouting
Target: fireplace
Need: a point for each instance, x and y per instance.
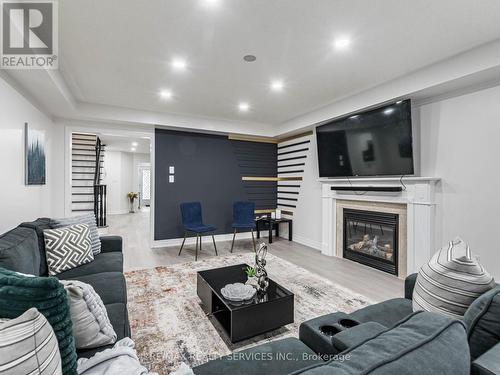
(371, 238)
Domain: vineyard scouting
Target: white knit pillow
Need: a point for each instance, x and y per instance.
(451, 281)
(91, 325)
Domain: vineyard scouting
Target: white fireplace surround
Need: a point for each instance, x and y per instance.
(418, 196)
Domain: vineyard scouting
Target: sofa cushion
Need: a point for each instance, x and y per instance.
(423, 343)
(488, 363)
(19, 293)
(67, 248)
(110, 286)
(19, 251)
(277, 357)
(39, 225)
(87, 219)
(483, 322)
(451, 281)
(31, 338)
(111, 243)
(355, 335)
(118, 316)
(386, 313)
(103, 262)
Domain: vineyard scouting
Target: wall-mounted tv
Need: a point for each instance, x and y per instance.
(377, 142)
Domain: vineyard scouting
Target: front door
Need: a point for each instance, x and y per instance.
(145, 185)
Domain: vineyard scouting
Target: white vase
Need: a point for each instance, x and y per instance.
(252, 281)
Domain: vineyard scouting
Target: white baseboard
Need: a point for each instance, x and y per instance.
(307, 242)
(207, 238)
(119, 212)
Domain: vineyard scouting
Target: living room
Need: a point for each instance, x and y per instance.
(236, 187)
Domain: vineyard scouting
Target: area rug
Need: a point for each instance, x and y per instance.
(170, 327)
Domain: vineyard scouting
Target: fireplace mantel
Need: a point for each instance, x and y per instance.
(418, 195)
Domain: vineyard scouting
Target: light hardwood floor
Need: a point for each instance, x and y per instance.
(134, 228)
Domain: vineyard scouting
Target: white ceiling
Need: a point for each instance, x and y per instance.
(117, 52)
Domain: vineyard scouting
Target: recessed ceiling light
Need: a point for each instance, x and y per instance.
(342, 43)
(388, 111)
(249, 58)
(166, 94)
(243, 107)
(277, 85)
(134, 144)
(178, 64)
(210, 3)
(133, 149)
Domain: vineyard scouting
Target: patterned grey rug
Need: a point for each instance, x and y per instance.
(170, 327)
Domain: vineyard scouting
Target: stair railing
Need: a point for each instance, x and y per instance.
(100, 192)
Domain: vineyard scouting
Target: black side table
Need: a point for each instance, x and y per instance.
(275, 224)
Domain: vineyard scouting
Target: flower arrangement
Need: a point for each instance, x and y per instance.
(132, 196)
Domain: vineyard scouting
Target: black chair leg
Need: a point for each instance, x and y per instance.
(234, 235)
(196, 253)
(184, 240)
(253, 240)
(215, 246)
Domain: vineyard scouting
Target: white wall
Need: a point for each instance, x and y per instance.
(307, 213)
(119, 171)
(460, 140)
(19, 201)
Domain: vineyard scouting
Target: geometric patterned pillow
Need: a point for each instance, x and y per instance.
(451, 280)
(67, 248)
(88, 219)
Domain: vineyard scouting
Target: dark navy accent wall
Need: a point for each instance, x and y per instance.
(258, 160)
(208, 168)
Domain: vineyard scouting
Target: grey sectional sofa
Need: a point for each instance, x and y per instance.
(23, 250)
(384, 338)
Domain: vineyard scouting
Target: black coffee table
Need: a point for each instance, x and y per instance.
(263, 313)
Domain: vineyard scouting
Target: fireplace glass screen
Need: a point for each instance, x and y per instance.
(371, 238)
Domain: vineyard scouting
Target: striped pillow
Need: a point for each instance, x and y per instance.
(28, 345)
(451, 281)
(87, 219)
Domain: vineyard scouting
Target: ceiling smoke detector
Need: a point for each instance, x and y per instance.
(249, 58)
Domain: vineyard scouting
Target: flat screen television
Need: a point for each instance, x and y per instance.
(377, 142)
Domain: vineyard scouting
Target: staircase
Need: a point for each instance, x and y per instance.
(84, 166)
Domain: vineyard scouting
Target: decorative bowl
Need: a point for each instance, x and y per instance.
(238, 292)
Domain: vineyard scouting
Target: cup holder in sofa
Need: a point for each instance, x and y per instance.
(341, 325)
(328, 330)
(348, 323)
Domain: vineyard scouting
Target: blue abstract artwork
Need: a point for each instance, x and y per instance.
(35, 156)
